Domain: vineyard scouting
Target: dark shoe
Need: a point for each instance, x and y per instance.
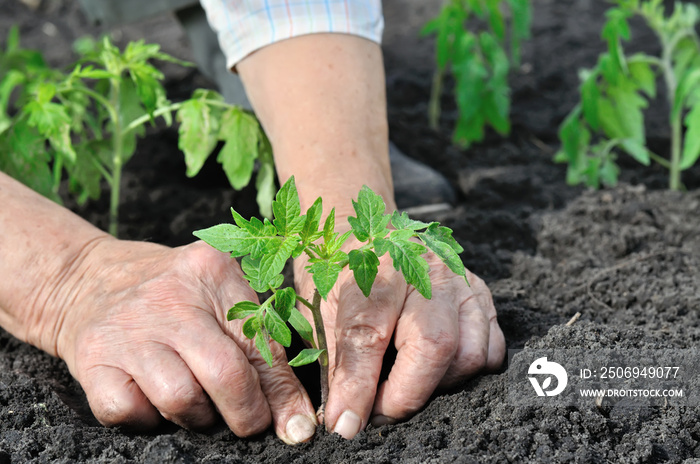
(417, 185)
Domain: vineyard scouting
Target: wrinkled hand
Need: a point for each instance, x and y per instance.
(147, 336)
(439, 341)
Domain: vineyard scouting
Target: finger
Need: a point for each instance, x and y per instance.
(172, 389)
(363, 330)
(427, 337)
(497, 346)
(116, 399)
(477, 316)
(293, 414)
(223, 370)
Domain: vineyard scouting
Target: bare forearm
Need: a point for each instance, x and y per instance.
(41, 247)
(321, 99)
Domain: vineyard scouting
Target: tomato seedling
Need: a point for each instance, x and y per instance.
(85, 122)
(265, 247)
(478, 61)
(614, 94)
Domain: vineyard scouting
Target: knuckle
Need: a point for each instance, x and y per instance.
(469, 361)
(178, 399)
(363, 336)
(439, 347)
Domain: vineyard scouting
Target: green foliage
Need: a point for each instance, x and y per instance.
(471, 40)
(610, 118)
(83, 124)
(266, 246)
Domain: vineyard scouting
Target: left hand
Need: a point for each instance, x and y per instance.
(440, 341)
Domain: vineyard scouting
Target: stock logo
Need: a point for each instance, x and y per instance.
(540, 368)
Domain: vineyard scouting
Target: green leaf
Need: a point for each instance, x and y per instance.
(691, 143)
(285, 300)
(277, 327)
(251, 271)
(263, 345)
(439, 239)
(325, 275)
(642, 73)
(240, 132)
(265, 181)
(272, 263)
(301, 325)
(402, 221)
(371, 221)
(305, 357)
(287, 210)
(609, 173)
(251, 326)
(309, 232)
(198, 134)
(406, 256)
(637, 151)
(688, 82)
(242, 309)
(364, 264)
(329, 227)
(590, 95)
(227, 238)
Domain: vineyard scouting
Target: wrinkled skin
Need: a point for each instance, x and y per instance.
(440, 341)
(147, 336)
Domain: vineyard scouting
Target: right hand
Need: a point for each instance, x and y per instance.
(144, 331)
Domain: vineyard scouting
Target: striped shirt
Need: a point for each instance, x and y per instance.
(244, 26)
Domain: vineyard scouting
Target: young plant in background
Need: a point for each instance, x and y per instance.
(610, 118)
(86, 122)
(478, 61)
(266, 246)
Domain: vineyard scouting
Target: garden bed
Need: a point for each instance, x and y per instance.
(626, 258)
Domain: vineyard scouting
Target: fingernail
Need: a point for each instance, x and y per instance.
(300, 429)
(380, 420)
(348, 425)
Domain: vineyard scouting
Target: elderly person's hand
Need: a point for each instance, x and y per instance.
(439, 341)
(141, 326)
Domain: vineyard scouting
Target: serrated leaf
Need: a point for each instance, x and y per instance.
(305, 357)
(286, 209)
(227, 238)
(439, 239)
(285, 300)
(325, 275)
(241, 310)
(301, 325)
(691, 143)
(198, 134)
(402, 221)
(251, 271)
(406, 256)
(263, 345)
(365, 265)
(309, 232)
(272, 262)
(329, 227)
(240, 132)
(371, 220)
(276, 327)
(251, 326)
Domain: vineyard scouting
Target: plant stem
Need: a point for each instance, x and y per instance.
(118, 139)
(434, 104)
(322, 345)
(675, 168)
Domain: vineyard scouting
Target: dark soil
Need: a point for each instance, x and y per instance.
(626, 258)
